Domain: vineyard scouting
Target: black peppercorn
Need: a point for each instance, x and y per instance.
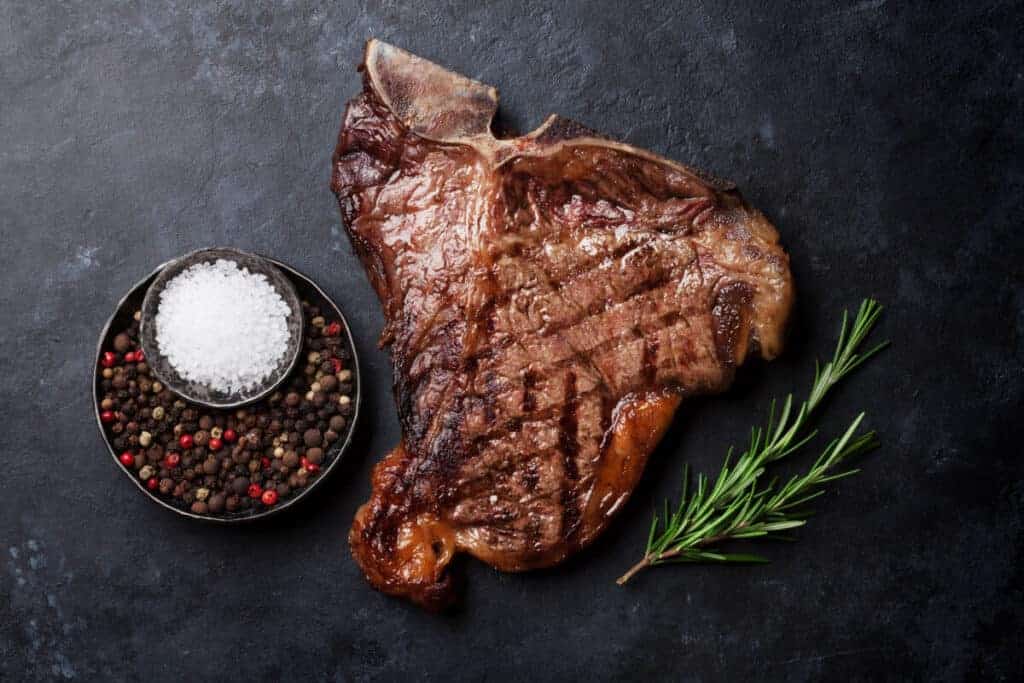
(122, 342)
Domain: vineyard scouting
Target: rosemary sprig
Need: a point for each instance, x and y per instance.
(737, 506)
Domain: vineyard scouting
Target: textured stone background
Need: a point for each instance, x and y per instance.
(884, 139)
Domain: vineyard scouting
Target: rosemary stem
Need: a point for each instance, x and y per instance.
(735, 504)
(634, 570)
(650, 559)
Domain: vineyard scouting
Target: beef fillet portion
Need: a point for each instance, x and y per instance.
(550, 299)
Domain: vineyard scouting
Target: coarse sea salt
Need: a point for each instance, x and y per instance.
(221, 326)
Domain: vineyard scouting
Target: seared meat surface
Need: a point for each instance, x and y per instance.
(549, 301)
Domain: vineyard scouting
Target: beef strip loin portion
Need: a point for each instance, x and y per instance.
(549, 300)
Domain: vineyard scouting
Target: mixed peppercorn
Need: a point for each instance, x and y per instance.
(217, 462)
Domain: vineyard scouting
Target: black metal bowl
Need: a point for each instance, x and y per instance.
(307, 290)
(195, 391)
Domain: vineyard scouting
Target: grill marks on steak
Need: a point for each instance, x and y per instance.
(549, 300)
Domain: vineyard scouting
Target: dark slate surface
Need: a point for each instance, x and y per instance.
(883, 138)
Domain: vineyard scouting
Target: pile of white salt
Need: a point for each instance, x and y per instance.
(221, 326)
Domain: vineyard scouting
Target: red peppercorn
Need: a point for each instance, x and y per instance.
(185, 441)
(338, 365)
(129, 357)
(312, 468)
(107, 416)
(333, 330)
(255, 491)
(304, 461)
(152, 483)
(264, 462)
(172, 460)
(230, 435)
(109, 359)
(269, 497)
(140, 357)
(127, 459)
(214, 444)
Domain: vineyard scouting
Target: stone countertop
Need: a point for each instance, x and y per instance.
(885, 141)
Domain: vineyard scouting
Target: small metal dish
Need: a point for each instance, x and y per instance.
(194, 391)
(308, 291)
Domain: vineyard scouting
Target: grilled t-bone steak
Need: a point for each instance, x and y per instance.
(549, 300)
